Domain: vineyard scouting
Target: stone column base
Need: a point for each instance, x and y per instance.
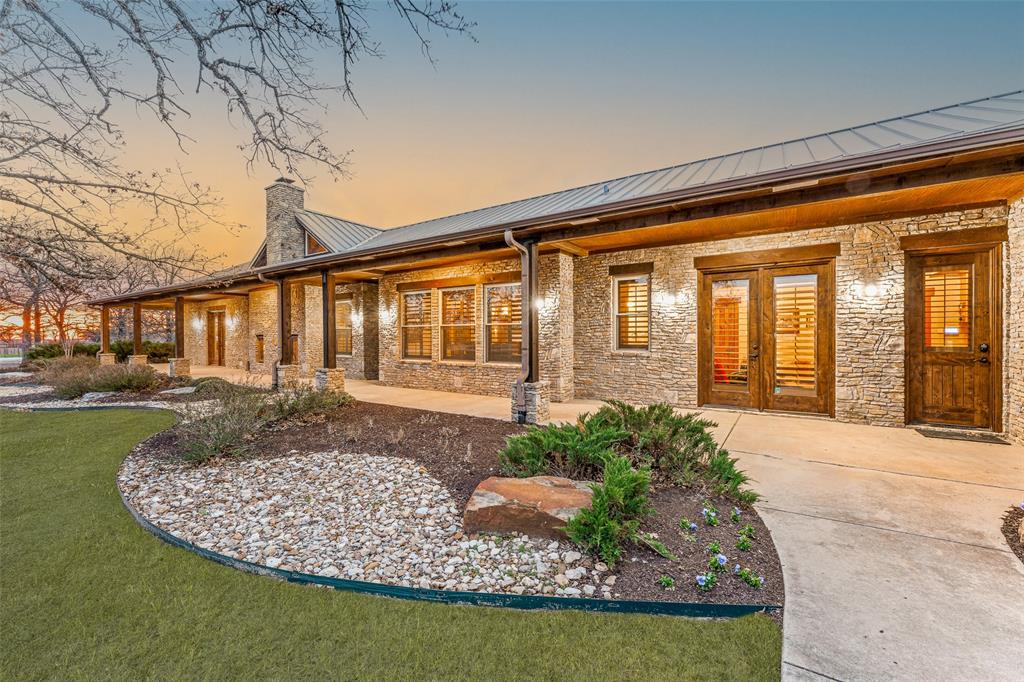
(107, 358)
(332, 379)
(180, 367)
(138, 359)
(286, 375)
(537, 403)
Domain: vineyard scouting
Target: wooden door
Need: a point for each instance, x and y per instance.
(796, 324)
(766, 338)
(730, 339)
(215, 337)
(952, 327)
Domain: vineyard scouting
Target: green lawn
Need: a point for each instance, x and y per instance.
(87, 594)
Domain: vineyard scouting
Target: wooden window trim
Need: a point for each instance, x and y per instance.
(344, 331)
(767, 257)
(975, 236)
(630, 270)
(488, 324)
(402, 326)
(459, 282)
(441, 325)
(616, 342)
(310, 239)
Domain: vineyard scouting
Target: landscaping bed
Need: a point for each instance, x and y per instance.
(376, 492)
(1013, 527)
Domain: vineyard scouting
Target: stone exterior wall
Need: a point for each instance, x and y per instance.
(236, 330)
(477, 377)
(1013, 320)
(363, 362)
(285, 238)
(556, 318)
(869, 331)
(263, 320)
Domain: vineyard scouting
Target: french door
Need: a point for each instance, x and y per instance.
(953, 349)
(765, 338)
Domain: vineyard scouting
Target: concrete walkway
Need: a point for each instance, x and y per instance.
(890, 542)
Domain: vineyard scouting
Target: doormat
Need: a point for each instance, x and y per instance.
(975, 436)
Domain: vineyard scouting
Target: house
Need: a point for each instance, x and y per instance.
(872, 275)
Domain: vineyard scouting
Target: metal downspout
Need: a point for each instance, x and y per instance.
(527, 298)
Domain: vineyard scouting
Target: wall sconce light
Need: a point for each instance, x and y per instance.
(539, 303)
(230, 322)
(357, 318)
(869, 290)
(197, 323)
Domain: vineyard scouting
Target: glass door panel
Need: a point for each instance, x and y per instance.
(796, 312)
(729, 346)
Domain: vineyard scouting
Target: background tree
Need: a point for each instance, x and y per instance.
(64, 86)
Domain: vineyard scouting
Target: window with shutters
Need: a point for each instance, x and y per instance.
(503, 324)
(458, 324)
(416, 325)
(632, 312)
(343, 327)
(796, 322)
(947, 308)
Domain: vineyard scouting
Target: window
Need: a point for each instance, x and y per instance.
(313, 245)
(503, 322)
(458, 328)
(416, 325)
(730, 330)
(632, 312)
(343, 327)
(796, 313)
(259, 348)
(947, 308)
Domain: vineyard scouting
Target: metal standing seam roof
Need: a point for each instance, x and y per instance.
(988, 114)
(337, 234)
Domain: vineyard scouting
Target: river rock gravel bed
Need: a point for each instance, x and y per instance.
(355, 516)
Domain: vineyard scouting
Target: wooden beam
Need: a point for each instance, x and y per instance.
(571, 249)
(137, 329)
(944, 240)
(628, 269)
(284, 321)
(330, 329)
(491, 278)
(179, 327)
(105, 329)
(793, 254)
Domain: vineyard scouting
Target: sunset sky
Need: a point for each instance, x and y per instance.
(555, 95)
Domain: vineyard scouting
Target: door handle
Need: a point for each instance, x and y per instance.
(982, 361)
(754, 356)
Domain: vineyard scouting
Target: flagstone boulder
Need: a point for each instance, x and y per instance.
(540, 506)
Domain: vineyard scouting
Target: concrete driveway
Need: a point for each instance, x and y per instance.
(891, 548)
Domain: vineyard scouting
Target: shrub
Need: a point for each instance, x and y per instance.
(228, 431)
(618, 505)
(42, 351)
(156, 351)
(300, 400)
(657, 436)
(560, 450)
(74, 377)
(728, 480)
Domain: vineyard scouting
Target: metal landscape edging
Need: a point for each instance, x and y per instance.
(515, 601)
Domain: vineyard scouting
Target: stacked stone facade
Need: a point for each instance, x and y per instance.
(362, 362)
(236, 331)
(1013, 321)
(285, 237)
(869, 331)
(263, 321)
(557, 325)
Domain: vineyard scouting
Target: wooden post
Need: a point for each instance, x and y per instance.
(137, 329)
(179, 327)
(531, 318)
(330, 323)
(284, 322)
(105, 329)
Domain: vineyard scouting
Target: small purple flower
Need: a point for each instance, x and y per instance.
(736, 568)
(736, 511)
(701, 580)
(721, 559)
(1022, 505)
(760, 580)
(693, 526)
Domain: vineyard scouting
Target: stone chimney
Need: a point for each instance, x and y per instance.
(284, 234)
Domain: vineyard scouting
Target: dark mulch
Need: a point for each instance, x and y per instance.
(1011, 530)
(460, 451)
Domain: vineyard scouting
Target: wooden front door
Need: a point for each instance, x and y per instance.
(215, 337)
(953, 349)
(766, 338)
